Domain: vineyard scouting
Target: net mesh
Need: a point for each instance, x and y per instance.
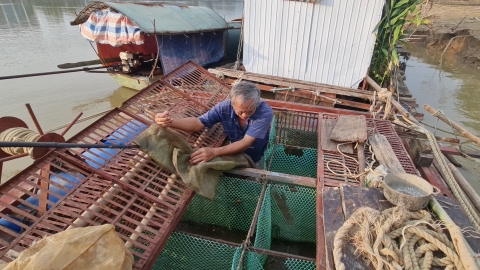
(282, 215)
(287, 213)
(184, 251)
(292, 147)
(233, 207)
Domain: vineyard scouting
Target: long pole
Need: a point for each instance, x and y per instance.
(47, 73)
(456, 126)
(64, 145)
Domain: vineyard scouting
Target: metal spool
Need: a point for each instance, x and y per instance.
(8, 122)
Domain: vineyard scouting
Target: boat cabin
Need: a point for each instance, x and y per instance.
(141, 42)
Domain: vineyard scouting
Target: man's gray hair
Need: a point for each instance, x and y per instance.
(245, 91)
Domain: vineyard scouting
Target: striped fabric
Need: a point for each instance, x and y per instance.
(107, 27)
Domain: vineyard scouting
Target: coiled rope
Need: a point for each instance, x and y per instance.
(396, 239)
(18, 134)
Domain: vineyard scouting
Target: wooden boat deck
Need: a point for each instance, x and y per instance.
(339, 204)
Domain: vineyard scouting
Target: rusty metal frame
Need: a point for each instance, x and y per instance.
(137, 183)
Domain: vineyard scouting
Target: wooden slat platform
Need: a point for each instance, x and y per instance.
(340, 203)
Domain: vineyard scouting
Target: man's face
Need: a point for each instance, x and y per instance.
(244, 109)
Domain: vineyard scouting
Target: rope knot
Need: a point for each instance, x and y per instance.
(438, 113)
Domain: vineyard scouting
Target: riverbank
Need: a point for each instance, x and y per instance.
(454, 28)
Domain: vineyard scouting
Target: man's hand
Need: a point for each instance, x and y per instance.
(163, 119)
(202, 155)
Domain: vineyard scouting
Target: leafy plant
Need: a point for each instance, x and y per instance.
(389, 31)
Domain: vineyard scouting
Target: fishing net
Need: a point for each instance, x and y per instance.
(286, 219)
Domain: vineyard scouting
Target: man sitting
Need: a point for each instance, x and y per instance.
(246, 120)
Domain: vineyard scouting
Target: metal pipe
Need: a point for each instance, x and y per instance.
(64, 145)
(34, 119)
(71, 124)
(13, 157)
(47, 73)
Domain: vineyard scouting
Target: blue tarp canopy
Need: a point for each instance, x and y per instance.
(201, 48)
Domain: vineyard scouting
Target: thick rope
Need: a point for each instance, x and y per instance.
(18, 134)
(457, 191)
(395, 239)
(386, 96)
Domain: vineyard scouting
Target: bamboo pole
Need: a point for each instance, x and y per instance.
(395, 103)
(467, 188)
(466, 254)
(361, 162)
(456, 126)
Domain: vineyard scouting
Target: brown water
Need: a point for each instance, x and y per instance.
(452, 87)
(36, 36)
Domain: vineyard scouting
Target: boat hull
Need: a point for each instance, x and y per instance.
(133, 81)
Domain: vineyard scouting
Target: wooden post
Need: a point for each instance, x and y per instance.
(456, 126)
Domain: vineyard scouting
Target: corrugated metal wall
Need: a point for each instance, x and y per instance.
(328, 42)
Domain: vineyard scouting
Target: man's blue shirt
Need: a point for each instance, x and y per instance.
(257, 126)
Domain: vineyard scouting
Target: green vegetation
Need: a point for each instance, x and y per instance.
(389, 32)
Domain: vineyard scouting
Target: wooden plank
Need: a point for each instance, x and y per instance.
(302, 93)
(325, 88)
(327, 144)
(454, 151)
(384, 153)
(459, 217)
(356, 197)
(274, 176)
(333, 220)
(277, 104)
(350, 128)
(434, 178)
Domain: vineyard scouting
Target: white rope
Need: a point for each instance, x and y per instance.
(349, 173)
(18, 134)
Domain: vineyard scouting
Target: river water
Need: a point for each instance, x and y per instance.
(445, 83)
(36, 36)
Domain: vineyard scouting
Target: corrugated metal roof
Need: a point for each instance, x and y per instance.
(169, 19)
(328, 42)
